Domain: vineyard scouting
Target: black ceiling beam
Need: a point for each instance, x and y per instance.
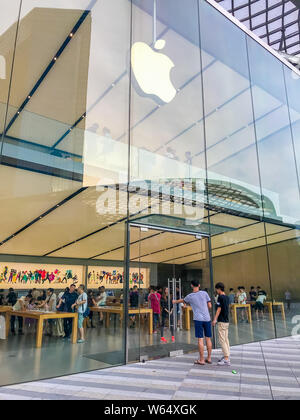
(48, 68)
(46, 213)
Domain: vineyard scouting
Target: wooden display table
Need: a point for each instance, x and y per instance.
(235, 306)
(43, 316)
(119, 310)
(6, 310)
(270, 309)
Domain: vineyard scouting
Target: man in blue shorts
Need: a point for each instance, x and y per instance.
(201, 304)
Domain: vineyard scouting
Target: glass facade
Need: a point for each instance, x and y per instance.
(143, 143)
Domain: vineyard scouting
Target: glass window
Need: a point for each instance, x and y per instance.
(8, 33)
(279, 179)
(63, 199)
(234, 192)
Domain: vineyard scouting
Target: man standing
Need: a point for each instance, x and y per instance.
(222, 318)
(201, 304)
(81, 305)
(134, 304)
(154, 299)
(288, 298)
(68, 298)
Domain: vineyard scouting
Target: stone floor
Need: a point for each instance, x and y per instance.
(268, 370)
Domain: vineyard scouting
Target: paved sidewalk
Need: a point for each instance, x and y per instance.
(267, 370)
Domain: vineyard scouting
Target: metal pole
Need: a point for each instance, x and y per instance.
(126, 290)
(169, 301)
(180, 297)
(174, 309)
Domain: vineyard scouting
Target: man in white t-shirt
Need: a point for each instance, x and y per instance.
(20, 305)
(259, 304)
(81, 305)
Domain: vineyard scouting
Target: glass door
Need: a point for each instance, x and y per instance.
(162, 265)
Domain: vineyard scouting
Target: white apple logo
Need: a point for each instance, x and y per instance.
(151, 71)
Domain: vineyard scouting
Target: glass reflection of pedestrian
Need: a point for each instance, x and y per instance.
(288, 299)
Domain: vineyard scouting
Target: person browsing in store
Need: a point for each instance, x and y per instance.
(154, 300)
(201, 305)
(81, 306)
(65, 305)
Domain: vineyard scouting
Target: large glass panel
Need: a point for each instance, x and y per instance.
(292, 80)
(279, 177)
(167, 167)
(8, 33)
(234, 192)
(62, 197)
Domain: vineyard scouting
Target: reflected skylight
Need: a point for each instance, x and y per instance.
(277, 22)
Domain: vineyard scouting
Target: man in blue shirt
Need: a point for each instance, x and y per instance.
(201, 304)
(68, 299)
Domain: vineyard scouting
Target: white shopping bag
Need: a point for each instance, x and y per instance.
(2, 328)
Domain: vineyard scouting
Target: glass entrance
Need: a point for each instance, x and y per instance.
(162, 265)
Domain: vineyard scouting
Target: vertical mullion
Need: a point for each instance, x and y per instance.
(127, 226)
(11, 78)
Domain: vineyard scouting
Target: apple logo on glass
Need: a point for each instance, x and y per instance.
(151, 70)
(2, 67)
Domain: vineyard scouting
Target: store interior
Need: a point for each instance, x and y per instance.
(161, 247)
(197, 184)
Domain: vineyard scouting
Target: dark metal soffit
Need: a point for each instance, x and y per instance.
(277, 22)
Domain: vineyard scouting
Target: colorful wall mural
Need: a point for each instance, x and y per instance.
(28, 276)
(113, 277)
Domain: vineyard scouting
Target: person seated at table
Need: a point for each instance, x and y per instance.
(259, 304)
(20, 306)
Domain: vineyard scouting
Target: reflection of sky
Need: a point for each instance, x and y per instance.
(275, 18)
(104, 153)
(175, 129)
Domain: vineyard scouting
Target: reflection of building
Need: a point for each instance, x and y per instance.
(99, 176)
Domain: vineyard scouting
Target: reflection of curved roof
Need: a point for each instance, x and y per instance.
(237, 196)
(223, 195)
(275, 21)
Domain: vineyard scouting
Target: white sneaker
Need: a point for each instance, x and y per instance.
(224, 362)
